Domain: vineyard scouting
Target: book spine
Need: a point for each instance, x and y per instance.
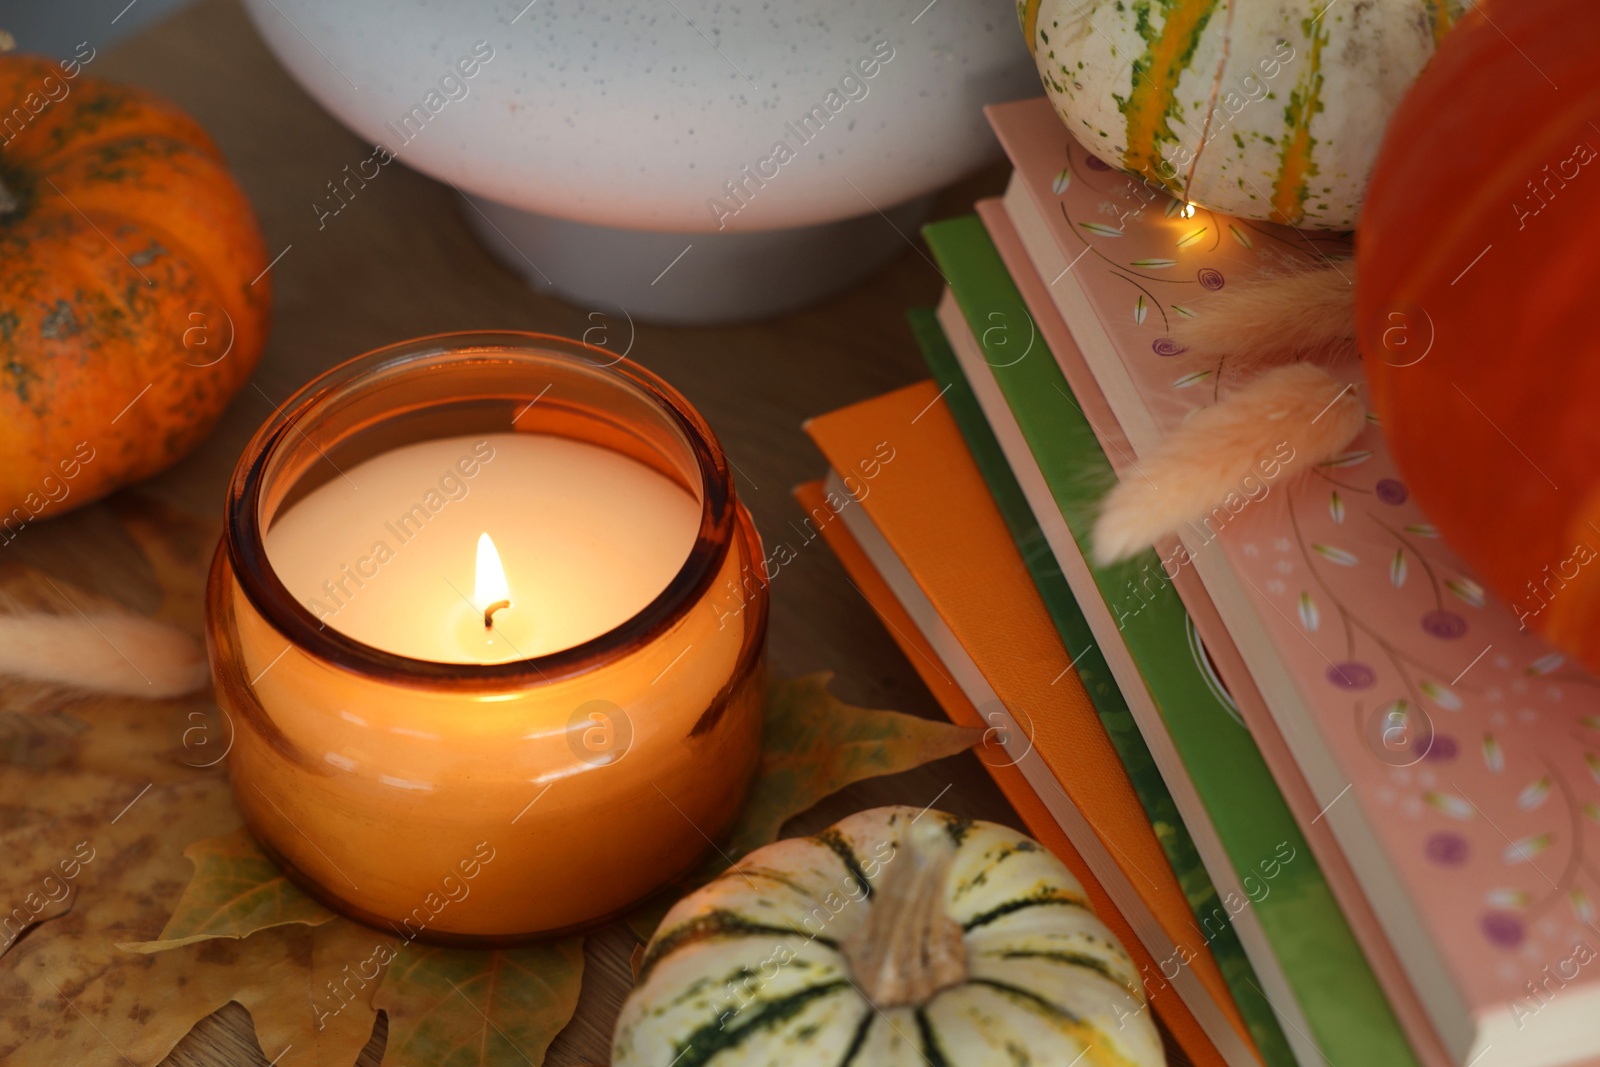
(1107, 698)
(1312, 943)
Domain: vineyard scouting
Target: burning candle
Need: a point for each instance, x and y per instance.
(408, 550)
(485, 623)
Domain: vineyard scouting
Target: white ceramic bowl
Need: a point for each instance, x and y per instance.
(635, 116)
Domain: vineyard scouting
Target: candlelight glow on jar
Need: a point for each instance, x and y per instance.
(483, 620)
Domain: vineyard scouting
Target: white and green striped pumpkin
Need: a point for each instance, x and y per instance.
(1264, 109)
(895, 938)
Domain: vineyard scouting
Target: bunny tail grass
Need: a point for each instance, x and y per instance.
(103, 653)
(1266, 320)
(1286, 421)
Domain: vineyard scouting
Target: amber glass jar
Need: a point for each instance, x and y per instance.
(470, 803)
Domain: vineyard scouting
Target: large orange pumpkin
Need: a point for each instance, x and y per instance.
(1478, 304)
(128, 317)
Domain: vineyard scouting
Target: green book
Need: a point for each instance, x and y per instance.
(1112, 709)
(1310, 943)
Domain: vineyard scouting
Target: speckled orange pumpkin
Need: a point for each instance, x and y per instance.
(128, 317)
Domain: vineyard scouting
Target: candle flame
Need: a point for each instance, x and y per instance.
(490, 589)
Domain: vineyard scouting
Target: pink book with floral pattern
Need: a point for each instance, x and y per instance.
(1455, 756)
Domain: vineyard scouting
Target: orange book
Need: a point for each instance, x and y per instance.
(986, 647)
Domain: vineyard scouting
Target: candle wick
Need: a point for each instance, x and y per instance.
(488, 612)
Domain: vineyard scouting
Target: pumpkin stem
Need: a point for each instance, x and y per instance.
(908, 948)
(8, 200)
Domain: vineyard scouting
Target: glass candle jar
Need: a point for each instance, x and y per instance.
(482, 773)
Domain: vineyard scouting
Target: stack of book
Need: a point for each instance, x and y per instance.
(1337, 804)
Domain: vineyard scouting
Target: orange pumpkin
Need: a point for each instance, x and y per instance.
(128, 317)
(1478, 286)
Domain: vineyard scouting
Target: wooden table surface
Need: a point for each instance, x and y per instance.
(399, 262)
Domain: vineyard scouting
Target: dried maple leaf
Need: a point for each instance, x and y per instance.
(206, 919)
(463, 1008)
(101, 794)
(446, 1006)
(813, 744)
(69, 970)
(235, 890)
(39, 881)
